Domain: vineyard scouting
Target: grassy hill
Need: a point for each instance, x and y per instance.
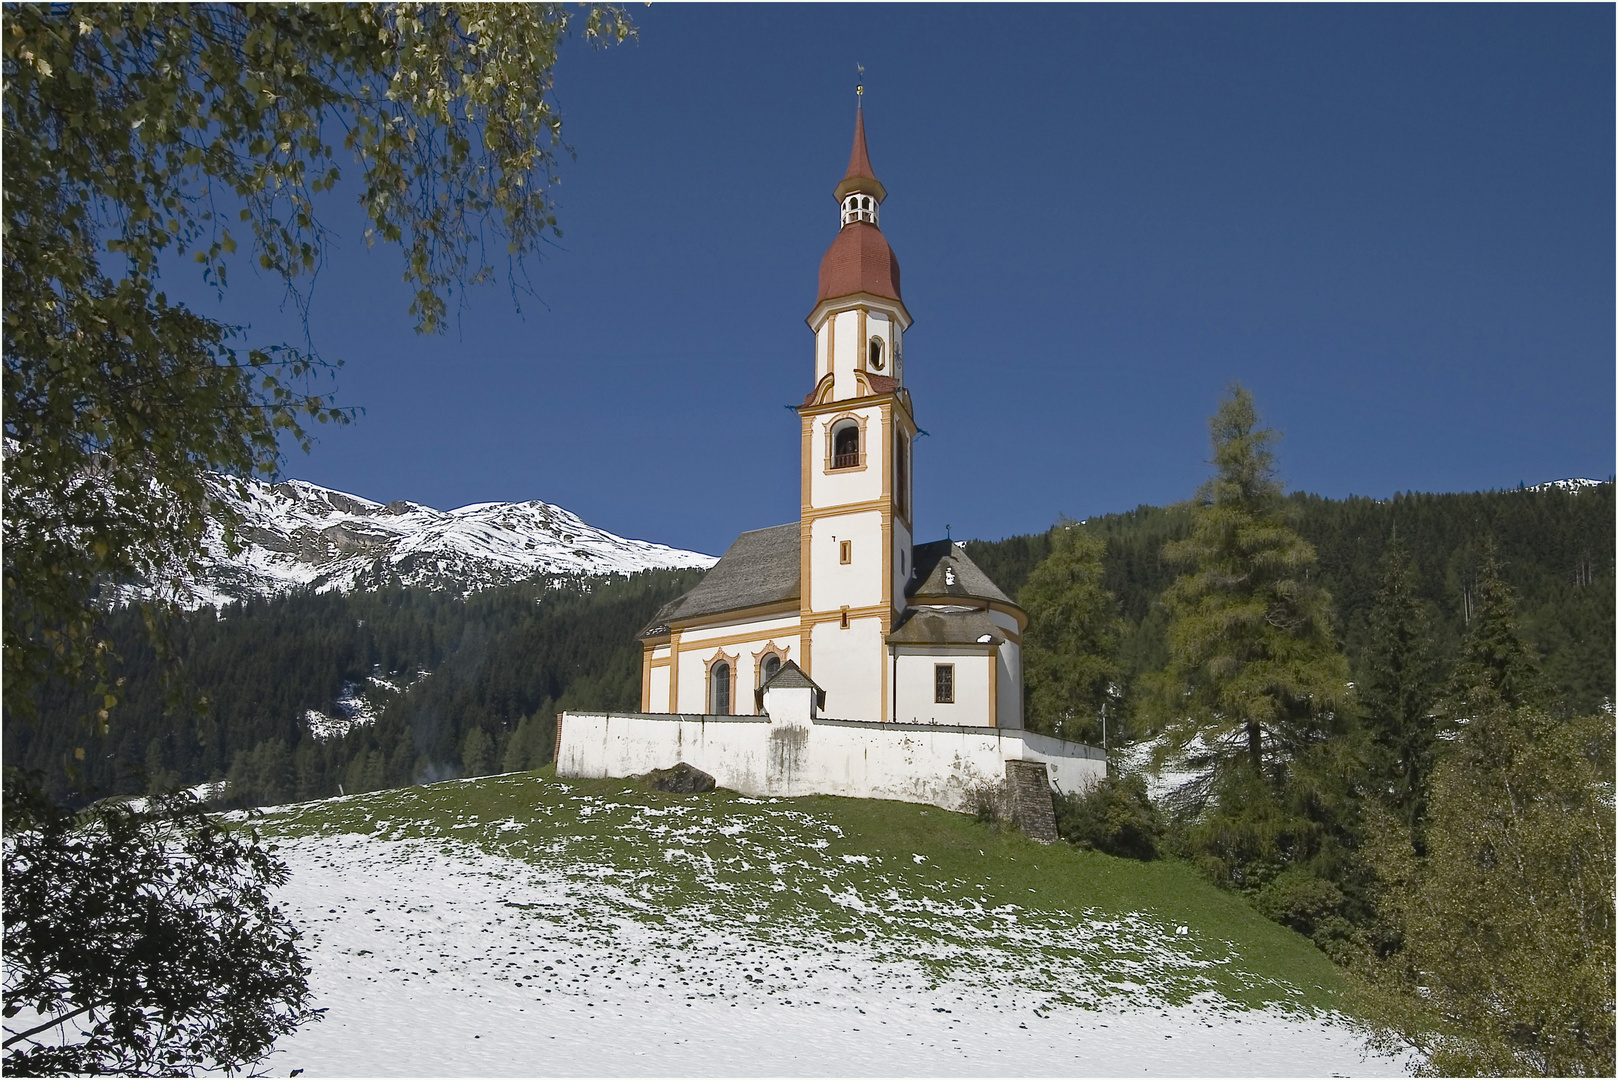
(930, 897)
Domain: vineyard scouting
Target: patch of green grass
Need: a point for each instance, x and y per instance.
(903, 883)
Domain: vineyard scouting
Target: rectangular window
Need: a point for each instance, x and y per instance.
(845, 552)
(845, 617)
(901, 475)
(944, 684)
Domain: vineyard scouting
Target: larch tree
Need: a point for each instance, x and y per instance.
(1506, 924)
(1253, 699)
(1073, 626)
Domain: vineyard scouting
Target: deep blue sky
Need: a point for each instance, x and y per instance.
(1393, 223)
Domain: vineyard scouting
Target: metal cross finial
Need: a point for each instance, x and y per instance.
(859, 84)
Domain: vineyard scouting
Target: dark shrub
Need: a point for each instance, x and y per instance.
(1112, 816)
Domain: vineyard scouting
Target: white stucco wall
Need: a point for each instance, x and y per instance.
(901, 560)
(915, 702)
(793, 753)
(858, 583)
(740, 642)
(850, 665)
(658, 692)
(838, 487)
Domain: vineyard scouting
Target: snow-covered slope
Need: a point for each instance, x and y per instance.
(516, 926)
(300, 535)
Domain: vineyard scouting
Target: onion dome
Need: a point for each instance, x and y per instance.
(859, 260)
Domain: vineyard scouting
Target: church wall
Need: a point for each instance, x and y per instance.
(1008, 684)
(655, 698)
(743, 646)
(900, 560)
(857, 583)
(843, 486)
(849, 663)
(934, 764)
(845, 346)
(916, 689)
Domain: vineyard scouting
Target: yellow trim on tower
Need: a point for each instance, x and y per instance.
(994, 688)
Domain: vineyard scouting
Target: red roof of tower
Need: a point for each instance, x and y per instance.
(859, 260)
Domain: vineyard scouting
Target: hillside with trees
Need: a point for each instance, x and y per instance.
(439, 685)
(1554, 545)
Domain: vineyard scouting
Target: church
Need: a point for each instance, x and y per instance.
(840, 614)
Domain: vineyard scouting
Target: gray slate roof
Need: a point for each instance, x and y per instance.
(924, 626)
(943, 570)
(790, 675)
(761, 567)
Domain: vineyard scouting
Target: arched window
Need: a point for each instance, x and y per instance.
(719, 690)
(845, 450)
(859, 208)
(771, 665)
(873, 355)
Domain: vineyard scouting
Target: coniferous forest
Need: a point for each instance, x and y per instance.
(471, 685)
(1555, 548)
(452, 686)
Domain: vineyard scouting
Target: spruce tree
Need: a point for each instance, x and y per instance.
(1398, 686)
(1073, 628)
(1254, 692)
(1496, 666)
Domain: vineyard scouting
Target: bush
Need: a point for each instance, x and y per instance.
(1113, 816)
(1314, 907)
(988, 801)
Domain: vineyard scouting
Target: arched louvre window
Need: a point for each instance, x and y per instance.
(874, 354)
(845, 453)
(719, 690)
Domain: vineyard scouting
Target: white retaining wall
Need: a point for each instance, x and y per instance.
(793, 752)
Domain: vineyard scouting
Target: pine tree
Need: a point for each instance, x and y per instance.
(1073, 628)
(1254, 692)
(1398, 687)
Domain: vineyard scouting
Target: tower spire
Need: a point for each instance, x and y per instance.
(860, 177)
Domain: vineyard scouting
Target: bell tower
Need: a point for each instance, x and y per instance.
(856, 526)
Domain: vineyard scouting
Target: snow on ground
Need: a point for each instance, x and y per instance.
(440, 957)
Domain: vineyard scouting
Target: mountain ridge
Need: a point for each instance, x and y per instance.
(295, 534)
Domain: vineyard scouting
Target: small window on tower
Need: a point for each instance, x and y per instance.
(944, 684)
(845, 551)
(845, 452)
(874, 354)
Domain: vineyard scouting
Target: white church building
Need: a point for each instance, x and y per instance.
(834, 654)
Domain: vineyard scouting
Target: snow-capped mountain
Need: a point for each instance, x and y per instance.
(300, 535)
(1574, 484)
